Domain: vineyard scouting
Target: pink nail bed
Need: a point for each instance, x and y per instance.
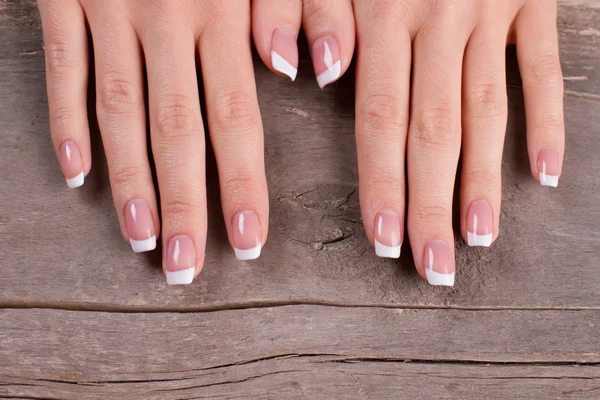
(71, 164)
(326, 60)
(140, 226)
(480, 224)
(284, 52)
(181, 260)
(387, 234)
(548, 167)
(439, 263)
(246, 235)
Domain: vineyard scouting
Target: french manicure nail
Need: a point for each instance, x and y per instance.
(71, 164)
(548, 167)
(181, 261)
(326, 60)
(140, 226)
(246, 235)
(387, 234)
(480, 224)
(439, 265)
(284, 52)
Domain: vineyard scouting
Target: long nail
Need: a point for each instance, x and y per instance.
(181, 261)
(284, 52)
(387, 234)
(71, 164)
(548, 167)
(246, 235)
(480, 224)
(140, 226)
(326, 60)
(439, 265)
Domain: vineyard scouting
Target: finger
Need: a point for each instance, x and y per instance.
(537, 50)
(382, 107)
(178, 146)
(236, 130)
(275, 27)
(433, 149)
(122, 120)
(485, 110)
(329, 28)
(66, 49)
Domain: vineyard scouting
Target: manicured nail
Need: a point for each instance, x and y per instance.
(71, 164)
(140, 226)
(480, 224)
(439, 265)
(548, 167)
(181, 261)
(326, 60)
(284, 52)
(246, 235)
(387, 234)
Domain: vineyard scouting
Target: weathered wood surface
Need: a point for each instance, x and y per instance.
(318, 293)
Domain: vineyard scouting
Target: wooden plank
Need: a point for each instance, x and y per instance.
(63, 248)
(300, 352)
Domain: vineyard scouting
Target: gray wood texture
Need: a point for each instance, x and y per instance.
(319, 316)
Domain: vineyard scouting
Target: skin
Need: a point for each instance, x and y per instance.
(454, 49)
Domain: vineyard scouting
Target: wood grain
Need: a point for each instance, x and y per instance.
(300, 352)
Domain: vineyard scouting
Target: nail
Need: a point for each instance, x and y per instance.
(284, 52)
(439, 266)
(387, 234)
(326, 60)
(140, 226)
(181, 261)
(246, 235)
(71, 164)
(548, 167)
(480, 224)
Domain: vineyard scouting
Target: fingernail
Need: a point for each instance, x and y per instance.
(140, 226)
(181, 261)
(71, 164)
(387, 234)
(439, 266)
(246, 235)
(326, 60)
(284, 52)
(548, 167)
(480, 224)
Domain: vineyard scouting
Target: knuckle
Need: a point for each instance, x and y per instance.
(486, 101)
(62, 117)
(481, 178)
(59, 58)
(312, 8)
(546, 71)
(384, 112)
(176, 118)
(378, 183)
(435, 127)
(178, 209)
(236, 111)
(437, 214)
(125, 176)
(118, 96)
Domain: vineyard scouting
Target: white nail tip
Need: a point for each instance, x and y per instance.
(76, 182)
(250, 254)
(282, 65)
(548, 180)
(183, 277)
(386, 251)
(438, 279)
(330, 75)
(140, 246)
(479, 240)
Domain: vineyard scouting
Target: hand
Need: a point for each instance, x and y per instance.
(455, 50)
(158, 40)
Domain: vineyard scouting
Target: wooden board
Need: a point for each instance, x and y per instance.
(319, 315)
